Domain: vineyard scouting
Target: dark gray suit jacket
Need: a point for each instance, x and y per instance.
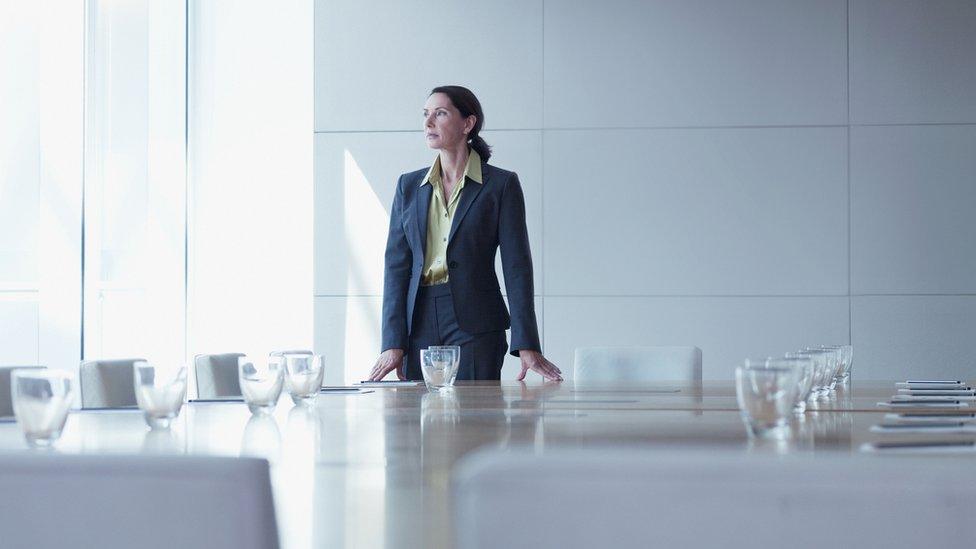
(488, 215)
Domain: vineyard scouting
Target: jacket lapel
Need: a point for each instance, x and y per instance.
(470, 191)
(422, 205)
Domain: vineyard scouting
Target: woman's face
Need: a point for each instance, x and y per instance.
(444, 127)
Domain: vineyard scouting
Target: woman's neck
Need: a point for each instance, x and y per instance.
(453, 163)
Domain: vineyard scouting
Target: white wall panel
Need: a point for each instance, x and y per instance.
(355, 179)
(728, 211)
(791, 219)
(913, 198)
(376, 61)
(695, 63)
(347, 333)
(19, 333)
(904, 337)
(727, 330)
(912, 61)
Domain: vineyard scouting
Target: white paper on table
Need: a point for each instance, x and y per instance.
(906, 385)
(337, 390)
(929, 418)
(963, 447)
(937, 392)
(944, 398)
(380, 384)
(922, 428)
(907, 405)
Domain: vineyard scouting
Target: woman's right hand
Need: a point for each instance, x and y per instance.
(389, 360)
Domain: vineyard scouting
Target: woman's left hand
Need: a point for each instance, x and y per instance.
(533, 360)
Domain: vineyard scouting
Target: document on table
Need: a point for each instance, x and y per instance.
(942, 417)
(925, 404)
(945, 427)
(931, 385)
(339, 389)
(397, 383)
(927, 447)
(937, 392)
(932, 398)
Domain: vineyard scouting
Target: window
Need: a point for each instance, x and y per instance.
(135, 181)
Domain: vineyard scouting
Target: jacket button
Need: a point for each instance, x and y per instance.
(452, 264)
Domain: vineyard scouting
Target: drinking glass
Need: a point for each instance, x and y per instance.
(160, 396)
(848, 363)
(766, 396)
(821, 371)
(261, 383)
(803, 367)
(845, 354)
(41, 400)
(837, 360)
(831, 359)
(303, 377)
(439, 365)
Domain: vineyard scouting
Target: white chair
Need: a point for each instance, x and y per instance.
(637, 364)
(217, 375)
(292, 352)
(6, 401)
(653, 498)
(120, 502)
(108, 383)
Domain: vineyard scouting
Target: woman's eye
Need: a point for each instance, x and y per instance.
(441, 113)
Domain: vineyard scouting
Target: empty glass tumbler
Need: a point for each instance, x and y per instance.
(803, 367)
(848, 354)
(831, 359)
(303, 377)
(836, 360)
(439, 364)
(41, 399)
(766, 396)
(261, 383)
(160, 395)
(822, 373)
(845, 355)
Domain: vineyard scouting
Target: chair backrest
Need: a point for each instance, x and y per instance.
(115, 502)
(637, 364)
(292, 352)
(108, 383)
(653, 498)
(217, 375)
(6, 401)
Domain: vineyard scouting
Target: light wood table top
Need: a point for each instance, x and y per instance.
(374, 469)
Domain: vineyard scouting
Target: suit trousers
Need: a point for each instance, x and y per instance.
(435, 323)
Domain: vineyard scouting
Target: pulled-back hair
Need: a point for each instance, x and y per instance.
(467, 104)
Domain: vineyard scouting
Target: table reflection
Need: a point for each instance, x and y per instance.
(163, 441)
(261, 438)
(374, 469)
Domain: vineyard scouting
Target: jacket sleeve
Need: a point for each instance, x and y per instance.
(513, 237)
(396, 277)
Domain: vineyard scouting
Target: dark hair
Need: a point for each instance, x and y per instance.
(464, 101)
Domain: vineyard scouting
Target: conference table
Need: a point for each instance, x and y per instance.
(374, 468)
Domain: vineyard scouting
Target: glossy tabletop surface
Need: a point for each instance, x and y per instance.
(373, 469)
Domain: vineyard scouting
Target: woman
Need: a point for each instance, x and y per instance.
(446, 223)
